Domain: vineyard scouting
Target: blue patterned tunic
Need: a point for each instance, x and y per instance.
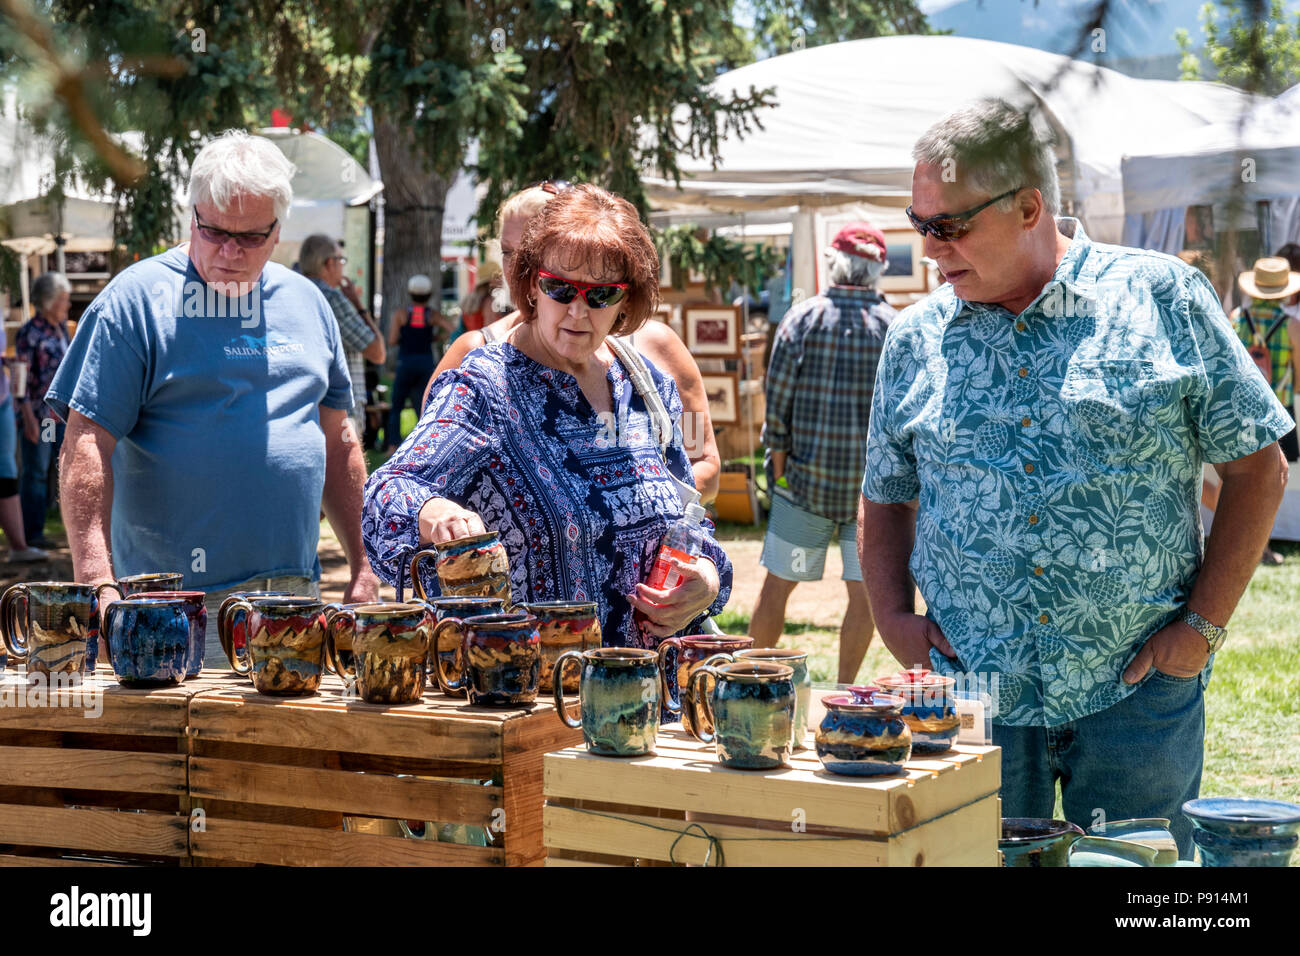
(1057, 457)
(581, 501)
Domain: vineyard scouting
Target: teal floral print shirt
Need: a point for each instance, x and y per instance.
(1056, 458)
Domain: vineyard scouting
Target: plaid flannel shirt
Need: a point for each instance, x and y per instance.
(819, 384)
(1266, 313)
(356, 335)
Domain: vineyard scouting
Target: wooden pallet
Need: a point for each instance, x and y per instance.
(682, 806)
(275, 777)
(95, 775)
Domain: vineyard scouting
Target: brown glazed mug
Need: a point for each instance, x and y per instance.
(390, 649)
(285, 654)
(690, 653)
(234, 619)
(58, 633)
(563, 626)
(502, 659)
(474, 566)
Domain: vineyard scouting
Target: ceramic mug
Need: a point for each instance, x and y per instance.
(142, 584)
(1030, 842)
(752, 707)
(502, 659)
(149, 639)
(863, 734)
(691, 652)
(618, 699)
(196, 613)
(563, 626)
(285, 653)
(929, 708)
(446, 647)
(59, 632)
(234, 618)
(474, 566)
(802, 685)
(390, 649)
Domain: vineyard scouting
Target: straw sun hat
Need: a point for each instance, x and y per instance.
(1270, 279)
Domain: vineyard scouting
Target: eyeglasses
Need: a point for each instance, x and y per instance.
(342, 260)
(951, 226)
(245, 240)
(597, 296)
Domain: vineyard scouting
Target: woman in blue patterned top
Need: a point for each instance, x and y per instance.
(544, 438)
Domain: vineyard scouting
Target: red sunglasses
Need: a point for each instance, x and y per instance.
(596, 295)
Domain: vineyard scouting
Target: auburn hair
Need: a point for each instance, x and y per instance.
(587, 227)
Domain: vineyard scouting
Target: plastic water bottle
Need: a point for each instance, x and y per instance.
(684, 541)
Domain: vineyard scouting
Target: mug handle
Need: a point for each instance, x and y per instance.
(697, 726)
(333, 660)
(557, 683)
(445, 684)
(225, 634)
(672, 706)
(228, 621)
(417, 586)
(9, 629)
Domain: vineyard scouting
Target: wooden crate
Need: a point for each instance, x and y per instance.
(681, 805)
(95, 774)
(275, 777)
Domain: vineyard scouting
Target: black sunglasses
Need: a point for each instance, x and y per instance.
(950, 226)
(245, 240)
(597, 295)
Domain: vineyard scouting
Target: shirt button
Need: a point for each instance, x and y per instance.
(1038, 571)
(1020, 326)
(1033, 519)
(1029, 469)
(1043, 619)
(1023, 372)
(1025, 421)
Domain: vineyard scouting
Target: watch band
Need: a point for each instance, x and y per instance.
(1213, 634)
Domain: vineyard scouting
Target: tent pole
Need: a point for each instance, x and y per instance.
(749, 405)
(23, 287)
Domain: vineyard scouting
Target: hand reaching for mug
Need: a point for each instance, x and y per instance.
(443, 520)
(665, 612)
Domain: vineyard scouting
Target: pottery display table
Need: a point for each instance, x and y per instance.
(682, 806)
(95, 774)
(275, 778)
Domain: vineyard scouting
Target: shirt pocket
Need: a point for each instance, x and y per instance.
(1107, 405)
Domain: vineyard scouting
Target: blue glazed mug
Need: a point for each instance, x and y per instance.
(148, 640)
(197, 614)
(502, 656)
(445, 649)
(618, 699)
(58, 630)
(752, 710)
(863, 734)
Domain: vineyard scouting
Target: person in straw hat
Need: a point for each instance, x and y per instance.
(1263, 327)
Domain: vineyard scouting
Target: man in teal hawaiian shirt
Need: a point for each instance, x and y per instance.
(1037, 434)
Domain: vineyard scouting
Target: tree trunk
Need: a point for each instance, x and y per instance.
(414, 199)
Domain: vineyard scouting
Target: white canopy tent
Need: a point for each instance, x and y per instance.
(848, 114)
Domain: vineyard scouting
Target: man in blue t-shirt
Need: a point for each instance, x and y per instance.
(206, 395)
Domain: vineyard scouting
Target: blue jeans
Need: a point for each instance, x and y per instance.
(1141, 757)
(411, 377)
(34, 482)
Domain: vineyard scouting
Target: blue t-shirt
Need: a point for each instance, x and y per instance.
(220, 458)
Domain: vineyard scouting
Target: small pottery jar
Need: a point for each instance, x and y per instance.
(752, 707)
(148, 640)
(1244, 831)
(473, 566)
(390, 649)
(563, 626)
(448, 642)
(863, 735)
(503, 657)
(690, 653)
(1027, 841)
(929, 708)
(802, 685)
(618, 699)
(196, 613)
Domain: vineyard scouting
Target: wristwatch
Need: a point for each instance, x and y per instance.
(1213, 634)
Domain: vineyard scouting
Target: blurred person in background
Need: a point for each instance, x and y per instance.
(42, 343)
(11, 516)
(416, 331)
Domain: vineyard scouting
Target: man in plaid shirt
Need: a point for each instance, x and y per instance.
(819, 385)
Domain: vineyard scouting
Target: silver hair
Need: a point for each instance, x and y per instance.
(48, 287)
(845, 269)
(236, 164)
(314, 253)
(994, 147)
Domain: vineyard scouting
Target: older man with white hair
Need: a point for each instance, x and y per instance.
(206, 394)
(819, 384)
(1035, 455)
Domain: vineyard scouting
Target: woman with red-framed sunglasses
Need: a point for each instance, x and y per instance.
(550, 439)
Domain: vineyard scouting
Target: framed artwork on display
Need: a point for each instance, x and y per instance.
(712, 331)
(905, 272)
(723, 392)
